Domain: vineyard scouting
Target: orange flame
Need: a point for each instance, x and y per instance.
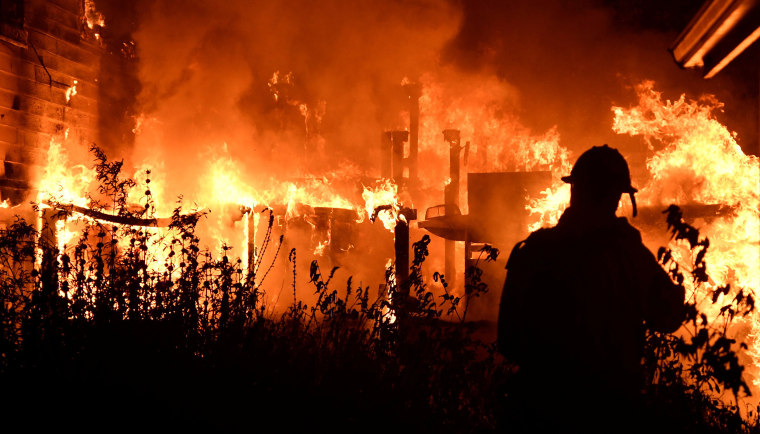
(697, 160)
(71, 91)
(385, 193)
(62, 182)
(92, 16)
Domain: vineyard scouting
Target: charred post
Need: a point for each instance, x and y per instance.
(251, 235)
(397, 139)
(451, 199)
(401, 246)
(386, 164)
(49, 245)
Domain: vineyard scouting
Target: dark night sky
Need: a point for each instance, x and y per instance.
(573, 60)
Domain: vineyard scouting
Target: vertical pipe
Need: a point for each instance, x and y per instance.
(451, 199)
(401, 247)
(413, 92)
(452, 192)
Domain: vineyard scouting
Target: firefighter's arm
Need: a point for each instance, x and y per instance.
(664, 309)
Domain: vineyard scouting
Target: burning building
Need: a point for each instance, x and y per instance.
(327, 116)
(59, 79)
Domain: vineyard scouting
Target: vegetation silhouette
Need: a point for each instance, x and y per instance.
(107, 336)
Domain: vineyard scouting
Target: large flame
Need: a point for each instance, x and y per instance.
(383, 194)
(62, 181)
(92, 16)
(697, 160)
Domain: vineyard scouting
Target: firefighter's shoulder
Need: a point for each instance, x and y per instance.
(627, 230)
(536, 242)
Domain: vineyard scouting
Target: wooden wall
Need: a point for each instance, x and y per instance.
(54, 49)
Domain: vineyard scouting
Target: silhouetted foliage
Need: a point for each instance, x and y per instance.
(128, 320)
(127, 328)
(689, 371)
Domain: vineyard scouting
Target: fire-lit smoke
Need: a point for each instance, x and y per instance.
(293, 95)
(260, 75)
(568, 62)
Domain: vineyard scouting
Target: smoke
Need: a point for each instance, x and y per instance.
(206, 70)
(571, 61)
(206, 66)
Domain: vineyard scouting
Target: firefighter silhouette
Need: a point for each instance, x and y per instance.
(575, 303)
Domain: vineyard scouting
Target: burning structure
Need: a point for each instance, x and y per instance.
(238, 115)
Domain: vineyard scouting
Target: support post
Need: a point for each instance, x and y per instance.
(401, 247)
(385, 155)
(397, 139)
(451, 200)
(413, 92)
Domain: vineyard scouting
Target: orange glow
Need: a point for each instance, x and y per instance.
(385, 193)
(92, 16)
(71, 91)
(696, 160)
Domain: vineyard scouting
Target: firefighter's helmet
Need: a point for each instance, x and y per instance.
(602, 169)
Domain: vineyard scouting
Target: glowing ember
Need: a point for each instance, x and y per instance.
(277, 82)
(71, 91)
(92, 16)
(388, 313)
(320, 249)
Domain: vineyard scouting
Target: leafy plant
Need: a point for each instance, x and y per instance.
(692, 369)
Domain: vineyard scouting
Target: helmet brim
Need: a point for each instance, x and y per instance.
(629, 189)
